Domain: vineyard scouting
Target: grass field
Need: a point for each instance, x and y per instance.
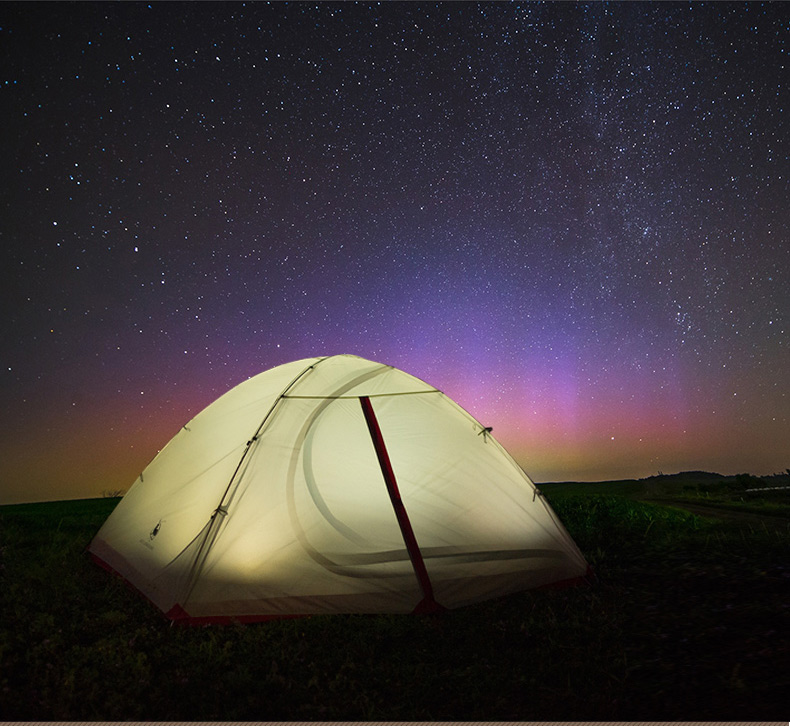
(688, 620)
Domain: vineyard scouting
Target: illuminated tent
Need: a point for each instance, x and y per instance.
(332, 485)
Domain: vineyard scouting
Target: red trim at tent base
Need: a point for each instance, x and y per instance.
(428, 606)
(179, 616)
(588, 578)
(108, 568)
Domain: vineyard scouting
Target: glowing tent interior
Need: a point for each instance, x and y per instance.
(332, 485)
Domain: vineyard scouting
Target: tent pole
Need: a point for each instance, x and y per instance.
(257, 433)
(222, 507)
(428, 603)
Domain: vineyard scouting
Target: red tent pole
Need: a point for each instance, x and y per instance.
(428, 603)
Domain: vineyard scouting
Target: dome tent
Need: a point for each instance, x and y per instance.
(332, 485)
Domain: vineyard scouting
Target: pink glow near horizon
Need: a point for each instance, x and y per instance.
(596, 264)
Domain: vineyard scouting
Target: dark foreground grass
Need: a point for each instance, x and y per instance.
(688, 620)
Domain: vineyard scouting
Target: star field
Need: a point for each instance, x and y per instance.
(571, 218)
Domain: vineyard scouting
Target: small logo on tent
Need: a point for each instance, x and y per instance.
(155, 530)
(485, 432)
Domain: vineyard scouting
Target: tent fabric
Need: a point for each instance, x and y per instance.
(277, 500)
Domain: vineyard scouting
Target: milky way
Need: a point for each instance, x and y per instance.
(573, 219)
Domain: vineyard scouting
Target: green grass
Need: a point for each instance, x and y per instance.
(710, 490)
(687, 621)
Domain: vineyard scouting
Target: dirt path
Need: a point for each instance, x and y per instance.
(772, 521)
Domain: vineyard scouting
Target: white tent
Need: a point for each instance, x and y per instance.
(332, 485)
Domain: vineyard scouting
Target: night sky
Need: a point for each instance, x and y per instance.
(573, 219)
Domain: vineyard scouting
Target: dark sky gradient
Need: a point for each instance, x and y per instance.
(571, 218)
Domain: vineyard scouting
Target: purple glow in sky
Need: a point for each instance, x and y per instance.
(571, 218)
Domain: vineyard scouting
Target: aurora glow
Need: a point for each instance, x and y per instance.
(571, 218)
